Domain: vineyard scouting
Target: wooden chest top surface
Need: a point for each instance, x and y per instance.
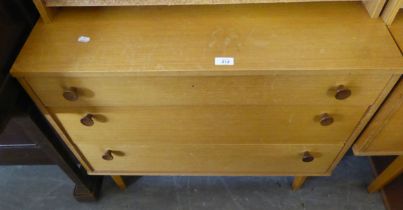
(187, 39)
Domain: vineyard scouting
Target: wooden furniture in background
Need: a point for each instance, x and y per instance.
(396, 30)
(391, 193)
(136, 91)
(47, 8)
(390, 11)
(390, 173)
(384, 136)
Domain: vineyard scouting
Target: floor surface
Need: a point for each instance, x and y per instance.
(46, 187)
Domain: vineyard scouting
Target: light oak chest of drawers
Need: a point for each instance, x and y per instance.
(144, 96)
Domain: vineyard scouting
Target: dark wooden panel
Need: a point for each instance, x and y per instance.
(17, 147)
(16, 20)
(14, 135)
(9, 93)
(23, 155)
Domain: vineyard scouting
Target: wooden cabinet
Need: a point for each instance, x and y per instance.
(45, 7)
(138, 91)
(383, 135)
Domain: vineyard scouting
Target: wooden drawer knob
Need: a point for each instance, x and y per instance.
(326, 119)
(307, 157)
(70, 94)
(342, 92)
(87, 120)
(108, 155)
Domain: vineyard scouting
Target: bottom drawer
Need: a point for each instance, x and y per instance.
(209, 159)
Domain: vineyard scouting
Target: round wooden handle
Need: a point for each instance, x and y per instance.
(107, 155)
(326, 119)
(87, 120)
(342, 92)
(307, 157)
(70, 94)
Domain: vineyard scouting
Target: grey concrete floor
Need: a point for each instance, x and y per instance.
(46, 187)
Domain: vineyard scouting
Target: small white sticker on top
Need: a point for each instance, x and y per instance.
(84, 39)
(224, 61)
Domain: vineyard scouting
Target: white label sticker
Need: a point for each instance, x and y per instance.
(84, 39)
(224, 61)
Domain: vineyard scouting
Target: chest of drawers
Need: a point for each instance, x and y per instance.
(143, 94)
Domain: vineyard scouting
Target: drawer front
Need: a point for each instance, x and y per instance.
(225, 90)
(210, 124)
(210, 159)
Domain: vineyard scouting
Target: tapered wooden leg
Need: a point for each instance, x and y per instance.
(298, 182)
(119, 182)
(391, 172)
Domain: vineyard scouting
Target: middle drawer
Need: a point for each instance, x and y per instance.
(210, 124)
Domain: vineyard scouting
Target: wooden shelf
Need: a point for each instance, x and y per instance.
(67, 3)
(46, 7)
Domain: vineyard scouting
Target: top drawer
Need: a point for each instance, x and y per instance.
(209, 90)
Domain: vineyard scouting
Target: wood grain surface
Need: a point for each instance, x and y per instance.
(391, 10)
(210, 124)
(64, 3)
(396, 29)
(383, 136)
(330, 37)
(210, 159)
(162, 106)
(275, 89)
